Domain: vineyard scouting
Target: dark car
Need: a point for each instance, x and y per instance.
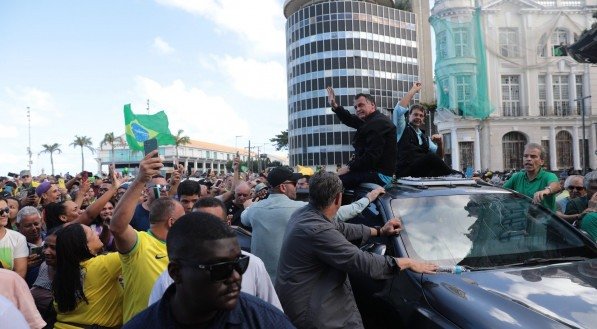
(525, 268)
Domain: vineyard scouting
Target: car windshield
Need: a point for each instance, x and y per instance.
(484, 230)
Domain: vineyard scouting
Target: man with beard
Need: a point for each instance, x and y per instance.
(534, 181)
(206, 265)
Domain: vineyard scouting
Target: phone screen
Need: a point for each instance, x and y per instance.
(150, 145)
(36, 250)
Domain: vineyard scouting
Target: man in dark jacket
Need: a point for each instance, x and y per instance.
(374, 143)
(418, 155)
(317, 254)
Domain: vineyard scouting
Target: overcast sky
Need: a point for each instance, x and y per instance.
(217, 67)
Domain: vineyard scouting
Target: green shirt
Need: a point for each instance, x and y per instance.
(520, 183)
(589, 224)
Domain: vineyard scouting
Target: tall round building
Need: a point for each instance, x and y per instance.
(353, 46)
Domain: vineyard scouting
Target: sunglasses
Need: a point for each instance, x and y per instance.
(578, 188)
(222, 271)
(4, 211)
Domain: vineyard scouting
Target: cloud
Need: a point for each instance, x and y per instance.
(255, 79)
(258, 23)
(162, 46)
(202, 116)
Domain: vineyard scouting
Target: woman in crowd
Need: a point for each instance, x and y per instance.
(86, 290)
(13, 245)
(101, 225)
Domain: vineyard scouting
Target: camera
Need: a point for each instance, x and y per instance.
(13, 175)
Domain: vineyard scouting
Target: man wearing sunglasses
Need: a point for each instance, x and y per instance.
(268, 218)
(574, 185)
(256, 280)
(207, 265)
(578, 207)
(155, 189)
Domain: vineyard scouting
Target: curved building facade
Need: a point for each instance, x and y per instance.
(353, 46)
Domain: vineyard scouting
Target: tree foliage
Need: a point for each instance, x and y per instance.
(280, 141)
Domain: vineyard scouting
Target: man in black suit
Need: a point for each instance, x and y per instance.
(374, 143)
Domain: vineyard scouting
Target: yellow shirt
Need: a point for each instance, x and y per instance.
(103, 291)
(140, 268)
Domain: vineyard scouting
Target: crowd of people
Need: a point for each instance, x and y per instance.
(151, 251)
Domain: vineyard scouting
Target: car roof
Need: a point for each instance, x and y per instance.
(437, 186)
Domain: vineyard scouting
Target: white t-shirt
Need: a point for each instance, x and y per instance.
(12, 245)
(255, 282)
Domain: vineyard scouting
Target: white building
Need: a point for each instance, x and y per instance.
(532, 85)
(196, 156)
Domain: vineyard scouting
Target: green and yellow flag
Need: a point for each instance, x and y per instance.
(141, 127)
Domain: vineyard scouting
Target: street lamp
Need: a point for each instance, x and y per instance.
(585, 147)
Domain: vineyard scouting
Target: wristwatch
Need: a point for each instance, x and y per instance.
(378, 229)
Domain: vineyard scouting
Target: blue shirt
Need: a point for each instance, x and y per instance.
(268, 219)
(140, 221)
(400, 123)
(249, 312)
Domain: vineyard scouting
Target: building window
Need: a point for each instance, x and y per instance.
(509, 42)
(579, 94)
(547, 162)
(561, 99)
(542, 96)
(460, 42)
(564, 149)
(442, 45)
(467, 155)
(463, 92)
(513, 150)
(511, 95)
(559, 41)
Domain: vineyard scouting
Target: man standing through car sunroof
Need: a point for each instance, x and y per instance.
(534, 181)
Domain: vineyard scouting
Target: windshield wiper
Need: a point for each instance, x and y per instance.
(533, 261)
(530, 261)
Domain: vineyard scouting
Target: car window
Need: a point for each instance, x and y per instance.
(482, 230)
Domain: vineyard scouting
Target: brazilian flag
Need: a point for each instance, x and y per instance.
(141, 127)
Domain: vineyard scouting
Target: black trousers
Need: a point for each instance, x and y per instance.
(355, 178)
(429, 165)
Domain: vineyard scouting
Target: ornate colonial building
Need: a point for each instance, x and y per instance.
(503, 79)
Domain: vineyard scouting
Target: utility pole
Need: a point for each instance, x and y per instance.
(29, 147)
(585, 146)
(249, 158)
(148, 106)
(258, 158)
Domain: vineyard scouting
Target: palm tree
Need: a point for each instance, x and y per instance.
(180, 140)
(51, 149)
(83, 141)
(110, 140)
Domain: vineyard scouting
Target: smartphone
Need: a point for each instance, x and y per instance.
(30, 191)
(150, 145)
(36, 250)
(218, 182)
(84, 176)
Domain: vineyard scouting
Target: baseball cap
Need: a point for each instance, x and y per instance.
(43, 188)
(260, 187)
(25, 173)
(279, 175)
